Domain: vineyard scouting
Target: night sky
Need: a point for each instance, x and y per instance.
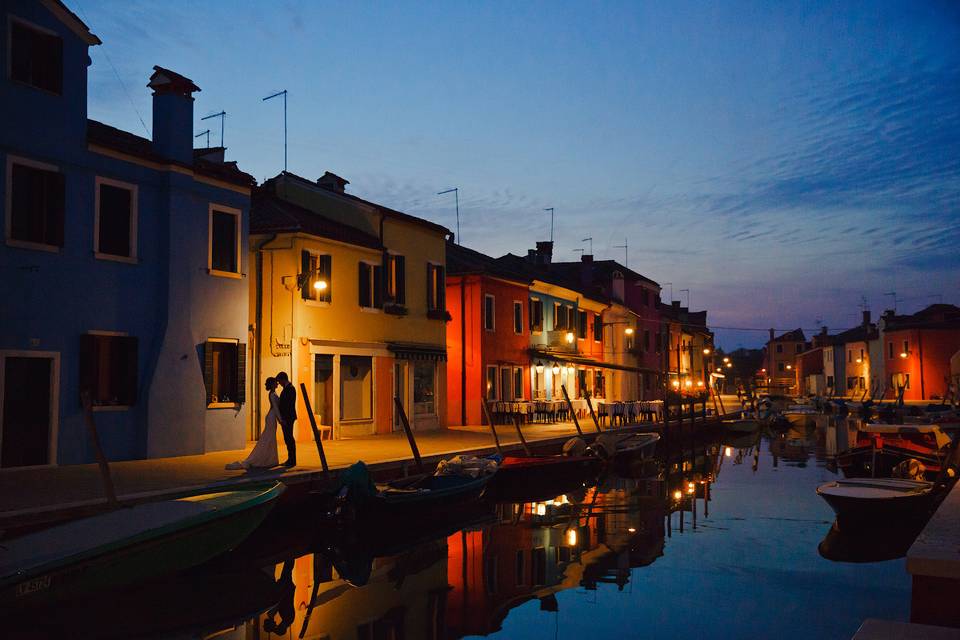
(779, 160)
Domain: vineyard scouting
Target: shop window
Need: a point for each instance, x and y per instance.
(490, 390)
(108, 369)
(36, 204)
(517, 317)
(224, 372)
(424, 388)
(36, 57)
(224, 241)
(518, 383)
(396, 279)
(536, 315)
(323, 388)
(489, 319)
(356, 387)
(370, 285)
(317, 274)
(115, 233)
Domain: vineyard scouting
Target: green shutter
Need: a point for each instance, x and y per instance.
(306, 291)
(208, 370)
(326, 272)
(241, 392)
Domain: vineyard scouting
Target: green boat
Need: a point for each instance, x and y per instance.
(130, 544)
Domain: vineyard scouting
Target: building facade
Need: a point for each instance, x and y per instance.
(124, 233)
(917, 351)
(781, 352)
(348, 297)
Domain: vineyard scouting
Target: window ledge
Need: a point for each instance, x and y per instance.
(395, 309)
(316, 303)
(110, 407)
(112, 258)
(36, 246)
(225, 274)
(370, 310)
(439, 314)
(223, 405)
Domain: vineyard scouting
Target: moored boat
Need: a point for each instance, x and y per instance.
(866, 502)
(526, 478)
(130, 544)
(881, 447)
(741, 426)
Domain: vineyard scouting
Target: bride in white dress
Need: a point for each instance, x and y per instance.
(264, 454)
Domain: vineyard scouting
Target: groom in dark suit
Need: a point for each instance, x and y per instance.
(288, 415)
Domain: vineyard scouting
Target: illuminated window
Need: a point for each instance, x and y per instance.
(436, 288)
(36, 57)
(108, 369)
(224, 371)
(396, 279)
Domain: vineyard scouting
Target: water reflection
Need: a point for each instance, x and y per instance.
(723, 520)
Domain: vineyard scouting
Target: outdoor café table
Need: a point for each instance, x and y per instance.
(579, 405)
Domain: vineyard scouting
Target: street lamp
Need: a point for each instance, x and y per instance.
(628, 331)
(725, 359)
(320, 285)
(539, 366)
(789, 366)
(556, 369)
(706, 351)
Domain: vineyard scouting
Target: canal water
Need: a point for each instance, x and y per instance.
(715, 538)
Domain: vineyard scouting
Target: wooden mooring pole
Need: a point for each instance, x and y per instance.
(316, 431)
(409, 432)
(98, 450)
(523, 441)
(573, 414)
(596, 422)
(493, 428)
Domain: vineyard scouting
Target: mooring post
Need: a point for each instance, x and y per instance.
(523, 441)
(573, 413)
(313, 427)
(493, 428)
(409, 432)
(98, 450)
(596, 422)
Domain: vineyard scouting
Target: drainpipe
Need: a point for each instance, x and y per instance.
(258, 331)
(923, 395)
(463, 351)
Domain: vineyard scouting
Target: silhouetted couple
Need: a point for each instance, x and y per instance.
(283, 409)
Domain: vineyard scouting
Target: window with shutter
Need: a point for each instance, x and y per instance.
(582, 325)
(488, 313)
(396, 279)
(366, 299)
(36, 204)
(597, 328)
(436, 288)
(517, 317)
(224, 372)
(536, 315)
(317, 285)
(108, 369)
(36, 57)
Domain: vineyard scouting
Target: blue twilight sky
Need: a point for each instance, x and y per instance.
(779, 160)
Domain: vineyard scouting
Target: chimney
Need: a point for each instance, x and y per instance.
(771, 335)
(332, 182)
(545, 252)
(588, 258)
(866, 317)
(172, 114)
(617, 287)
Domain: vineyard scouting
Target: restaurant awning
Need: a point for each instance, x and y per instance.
(417, 351)
(587, 362)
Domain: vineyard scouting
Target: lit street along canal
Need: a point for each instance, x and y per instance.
(717, 537)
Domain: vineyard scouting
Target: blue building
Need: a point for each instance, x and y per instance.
(123, 263)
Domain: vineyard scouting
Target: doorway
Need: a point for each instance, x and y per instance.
(399, 391)
(28, 431)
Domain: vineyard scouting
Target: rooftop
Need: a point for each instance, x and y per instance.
(270, 214)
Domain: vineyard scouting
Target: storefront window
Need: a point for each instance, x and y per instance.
(323, 388)
(356, 388)
(424, 388)
(490, 389)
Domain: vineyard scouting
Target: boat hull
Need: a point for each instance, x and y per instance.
(541, 477)
(856, 512)
(870, 462)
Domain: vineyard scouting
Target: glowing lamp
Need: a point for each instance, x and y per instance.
(706, 351)
(556, 369)
(699, 383)
(628, 331)
(688, 383)
(571, 370)
(572, 537)
(789, 366)
(541, 509)
(631, 529)
(320, 285)
(677, 495)
(719, 369)
(728, 451)
(903, 354)
(726, 359)
(859, 360)
(569, 337)
(539, 367)
(729, 365)
(676, 384)
(763, 370)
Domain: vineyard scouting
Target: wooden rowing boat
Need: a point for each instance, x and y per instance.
(869, 502)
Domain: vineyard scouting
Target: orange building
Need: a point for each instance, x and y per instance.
(781, 353)
(917, 350)
(488, 337)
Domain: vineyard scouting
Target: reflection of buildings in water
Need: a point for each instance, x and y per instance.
(539, 549)
(793, 446)
(403, 597)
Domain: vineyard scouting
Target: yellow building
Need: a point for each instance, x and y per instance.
(348, 297)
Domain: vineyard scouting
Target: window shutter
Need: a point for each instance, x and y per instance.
(401, 297)
(127, 387)
(208, 370)
(431, 301)
(88, 366)
(364, 284)
(326, 273)
(241, 391)
(54, 188)
(377, 287)
(441, 289)
(307, 289)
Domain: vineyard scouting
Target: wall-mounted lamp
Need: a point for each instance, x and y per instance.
(789, 366)
(699, 383)
(570, 337)
(729, 365)
(726, 359)
(539, 366)
(676, 384)
(706, 351)
(628, 331)
(904, 354)
(556, 369)
(688, 383)
(303, 279)
(677, 494)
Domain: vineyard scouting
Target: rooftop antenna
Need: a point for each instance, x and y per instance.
(206, 133)
(893, 297)
(670, 284)
(580, 250)
(223, 116)
(550, 209)
(456, 200)
(284, 94)
(688, 296)
(590, 240)
(626, 254)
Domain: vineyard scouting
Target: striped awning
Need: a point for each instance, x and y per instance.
(416, 351)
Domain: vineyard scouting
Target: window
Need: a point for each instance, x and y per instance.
(906, 347)
(851, 383)
(371, 285)
(424, 388)
(799, 348)
(536, 315)
(35, 204)
(559, 316)
(356, 387)
(890, 350)
(597, 328)
(518, 383)
(599, 388)
(436, 288)
(646, 297)
(224, 241)
(396, 279)
(849, 355)
(779, 348)
(582, 324)
(36, 57)
(316, 269)
(779, 366)
(488, 312)
(830, 382)
(539, 388)
(517, 317)
(115, 226)
(108, 369)
(490, 392)
(646, 340)
(224, 371)
(861, 355)
(506, 381)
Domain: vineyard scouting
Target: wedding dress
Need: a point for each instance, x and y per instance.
(264, 454)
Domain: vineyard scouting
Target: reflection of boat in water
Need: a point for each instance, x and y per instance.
(883, 543)
(868, 502)
(532, 478)
(194, 604)
(741, 426)
(801, 415)
(129, 545)
(881, 447)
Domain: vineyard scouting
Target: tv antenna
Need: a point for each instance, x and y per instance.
(202, 133)
(550, 209)
(893, 298)
(580, 250)
(456, 200)
(590, 240)
(626, 254)
(223, 116)
(284, 94)
(688, 297)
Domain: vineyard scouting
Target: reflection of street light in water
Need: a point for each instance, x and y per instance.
(677, 494)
